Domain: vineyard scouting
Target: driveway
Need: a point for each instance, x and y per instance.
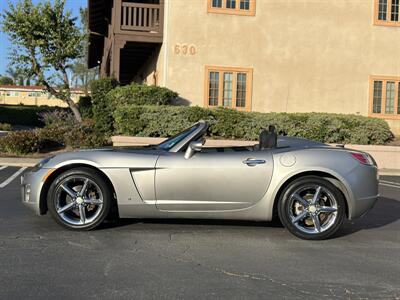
(180, 259)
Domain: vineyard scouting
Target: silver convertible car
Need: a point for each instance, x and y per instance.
(311, 187)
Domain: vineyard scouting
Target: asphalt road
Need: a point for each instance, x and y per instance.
(180, 259)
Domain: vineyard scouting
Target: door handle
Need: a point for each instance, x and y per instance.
(252, 162)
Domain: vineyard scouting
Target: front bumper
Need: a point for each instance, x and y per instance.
(31, 187)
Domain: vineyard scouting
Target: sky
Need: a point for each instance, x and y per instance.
(72, 5)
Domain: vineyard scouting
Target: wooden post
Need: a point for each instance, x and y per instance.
(161, 20)
(116, 58)
(117, 16)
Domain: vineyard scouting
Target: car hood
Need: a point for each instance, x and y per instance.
(107, 157)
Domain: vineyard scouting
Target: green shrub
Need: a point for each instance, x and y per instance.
(61, 128)
(163, 121)
(85, 106)
(101, 106)
(141, 94)
(54, 135)
(5, 127)
(84, 136)
(156, 120)
(21, 142)
(5, 80)
(57, 118)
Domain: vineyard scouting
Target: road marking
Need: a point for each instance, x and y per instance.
(389, 182)
(390, 185)
(10, 179)
(3, 167)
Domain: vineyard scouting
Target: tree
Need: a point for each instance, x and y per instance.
(4, 80)
(82, 76)
(46, 41)
(14, 74)
(19, 76)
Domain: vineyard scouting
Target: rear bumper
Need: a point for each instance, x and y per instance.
(31, 187)
(364, 205)
(363, 183)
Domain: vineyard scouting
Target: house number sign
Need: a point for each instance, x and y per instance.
(185, 49)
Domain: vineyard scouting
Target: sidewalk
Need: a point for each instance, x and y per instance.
(19, 161)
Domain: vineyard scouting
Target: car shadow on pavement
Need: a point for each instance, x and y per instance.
(171, 221)
(385, 212)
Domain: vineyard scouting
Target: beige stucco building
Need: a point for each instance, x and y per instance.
(33, 95)
(258, 55)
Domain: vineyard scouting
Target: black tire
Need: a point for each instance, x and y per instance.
(285, 209)
(100, 183)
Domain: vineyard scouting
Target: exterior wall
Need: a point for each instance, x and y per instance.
(24, 98)
(150, 74)
(306, 56)
(394, 126)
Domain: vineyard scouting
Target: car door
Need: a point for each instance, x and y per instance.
(212, 181)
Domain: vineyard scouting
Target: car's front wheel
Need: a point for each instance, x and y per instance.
(79, 199)
(312, 208)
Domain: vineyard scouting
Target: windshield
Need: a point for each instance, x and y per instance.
(172, 141)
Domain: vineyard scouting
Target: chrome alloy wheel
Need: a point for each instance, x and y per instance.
(78, 200)
(312, 209)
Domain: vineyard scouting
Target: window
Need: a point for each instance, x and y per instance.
(231, 4)
(233, 7)
(227, 98)
(377, 104)
(385, 97)
(217, 3)
(228, 87)
(389, 104)
(213, 88)
(241, 90)
(387, 12)
(394, 14)
(245, 4)
(398, 99)
(12, 94)
(34, 94)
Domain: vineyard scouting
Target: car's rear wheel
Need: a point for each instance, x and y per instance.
(79, 199)
(312, 208)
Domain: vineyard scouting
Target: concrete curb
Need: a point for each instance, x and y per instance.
(389, 172)
(19, 161)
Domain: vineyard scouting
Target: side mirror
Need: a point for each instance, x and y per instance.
(193, 147)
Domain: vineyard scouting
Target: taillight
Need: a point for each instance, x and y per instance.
(363, 158)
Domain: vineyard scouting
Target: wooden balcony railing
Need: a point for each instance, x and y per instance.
(141, 17)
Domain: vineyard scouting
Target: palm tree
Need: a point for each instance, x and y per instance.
(19, 76)
(82, 76)
(15, 74)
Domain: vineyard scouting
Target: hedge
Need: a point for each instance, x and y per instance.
(85, 106)
(21, 142)
(22, 115)
(43, 139)
(5, 127)
(141, 94)
(107, 94)
(102, 108)
(164, 121)
(60, 130)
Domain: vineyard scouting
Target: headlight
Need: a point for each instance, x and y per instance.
(41, 163)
